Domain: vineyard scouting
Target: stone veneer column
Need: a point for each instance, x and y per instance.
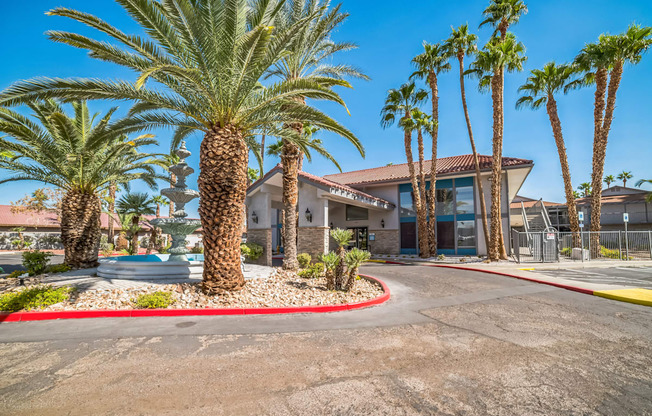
(264, 238)
(313, 240)
(386, 242)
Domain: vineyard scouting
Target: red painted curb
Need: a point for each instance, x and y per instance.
(559, 285)
(133, 313)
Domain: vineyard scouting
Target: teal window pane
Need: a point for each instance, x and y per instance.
(444, 204)
(464, 200)
(407, 206)
(466, 234)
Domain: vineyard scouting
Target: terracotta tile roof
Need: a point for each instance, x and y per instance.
(48, 219)
(445, 165)
(321, 181)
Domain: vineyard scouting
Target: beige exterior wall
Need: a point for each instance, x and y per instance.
(385, 242)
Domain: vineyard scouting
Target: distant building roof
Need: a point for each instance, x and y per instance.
(445, 165)
(48, 219)
(617, 199)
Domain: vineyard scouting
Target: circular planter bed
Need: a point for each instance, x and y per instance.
(281, 293)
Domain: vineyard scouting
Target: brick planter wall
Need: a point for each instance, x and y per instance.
(387, 242)
(313, 240)
(264, 238)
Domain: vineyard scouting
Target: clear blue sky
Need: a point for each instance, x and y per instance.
(389, 34)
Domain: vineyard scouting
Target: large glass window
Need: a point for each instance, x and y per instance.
(466, 234)
(409, 235)
(444, 201)
(356, 213)
(407, 206)
(464, 200)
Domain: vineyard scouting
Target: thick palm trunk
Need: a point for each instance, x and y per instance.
(222, 183)
(423, 214)
(599, 152)
(496, 167)
(135, 247)
(111, 229)
(432, 200)
(418, 206)
(551, 107)
(290, 160)
(476, 162)
(80, 228)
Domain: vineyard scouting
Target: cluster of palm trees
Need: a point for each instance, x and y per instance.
(600, 64)
(584, 190)
(402, 106)
(233, 70)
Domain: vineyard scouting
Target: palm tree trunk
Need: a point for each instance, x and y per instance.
(496, 167)
(418, 206)
(422, 193)
(599, 153)
(476, 162)
(290, 161)
(551, 107)
(432, 200)
(222, 183)
(135, 247)
(80, 228)
(111, 230)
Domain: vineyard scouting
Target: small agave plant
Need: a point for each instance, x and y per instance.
(331, 262)
(342, 238)
(354, 260)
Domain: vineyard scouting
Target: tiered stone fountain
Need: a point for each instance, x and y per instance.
(177, 264)
(178, 226)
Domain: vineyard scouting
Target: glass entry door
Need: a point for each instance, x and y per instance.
(360, 238)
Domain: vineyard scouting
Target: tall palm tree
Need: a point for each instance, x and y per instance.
(490, 64)
(207, 58)
(540, 90)
(82, 155)
(423, 122)
(640, 183)
(309, 58)
(501, 14)
(609, 179)
(604, 62)
(432, 62)
(625, 176)
(135, 204)
(462, 43)
(585, 188)
(399, 105)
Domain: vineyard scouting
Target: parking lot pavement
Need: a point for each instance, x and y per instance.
(639, 277)
(14, 261)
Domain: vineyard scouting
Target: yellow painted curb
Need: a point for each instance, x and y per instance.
(376, 261)
(527, 269)
(638, 296)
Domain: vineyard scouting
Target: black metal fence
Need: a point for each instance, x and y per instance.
(553, 246)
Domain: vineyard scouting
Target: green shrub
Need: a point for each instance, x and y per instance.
(441, 257)
(304, 260)
(156, 300)
(2, 271)
(165, 249)
(36, 262)
(58, 268)
(609, 253)
(36, 297)
(313, 272)
(566, 251)
(251, 251)
(16, 274)
(197, 250)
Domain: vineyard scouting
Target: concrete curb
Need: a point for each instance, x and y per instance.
(133, 313)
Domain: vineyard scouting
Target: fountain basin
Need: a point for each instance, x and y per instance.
(151, 267)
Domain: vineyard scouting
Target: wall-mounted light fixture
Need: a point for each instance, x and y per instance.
(332, 226)
(382, 223)
(254, 217)
(308, 215)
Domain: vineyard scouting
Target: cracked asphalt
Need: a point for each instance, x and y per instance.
(450, 342)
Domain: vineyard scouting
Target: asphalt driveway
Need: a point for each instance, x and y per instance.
(449, 342)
